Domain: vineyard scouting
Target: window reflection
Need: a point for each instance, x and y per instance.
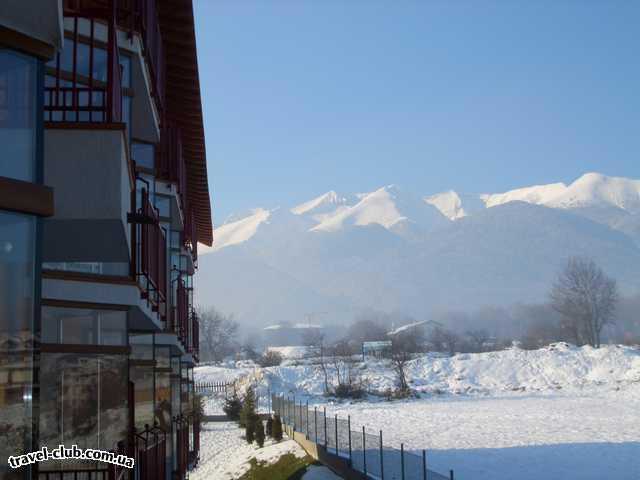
(83, 326)
(83, 401)
(144, 154)
(17, 253)
(18, 119)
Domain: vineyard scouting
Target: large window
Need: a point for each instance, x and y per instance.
(17, 295)
(84, 326)
(18, 115)
(83, 401)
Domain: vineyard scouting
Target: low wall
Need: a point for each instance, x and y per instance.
(340, 466)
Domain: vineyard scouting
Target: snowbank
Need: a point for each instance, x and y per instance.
(559, 367)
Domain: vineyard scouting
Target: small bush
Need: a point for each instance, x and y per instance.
(345, 390)
(248, 412)
(232, 407)
(277, 428)
(270, 427)
(250, 432)
(259, 428)
(288, 466)
(270, 359)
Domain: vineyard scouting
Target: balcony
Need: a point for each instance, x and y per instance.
(84, 81)
(149, 259)
(134, 16)
(180, 312)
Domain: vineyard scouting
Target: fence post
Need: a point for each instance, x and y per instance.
(307, 419)
(325, 427)
(424, 464)
(315, 424)
(336, 423)
(349, 427)
(450, 474)
(381, 460)
(364, 450)
(402, 459)
(294, 413)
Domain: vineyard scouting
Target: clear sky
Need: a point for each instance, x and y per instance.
(301, 97)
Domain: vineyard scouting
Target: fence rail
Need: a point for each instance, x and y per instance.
(210, 387)
(364, 450)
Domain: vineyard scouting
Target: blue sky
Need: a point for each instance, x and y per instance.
(301, 97)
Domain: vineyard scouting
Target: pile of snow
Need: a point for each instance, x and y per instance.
(559, 367)
(226, 372)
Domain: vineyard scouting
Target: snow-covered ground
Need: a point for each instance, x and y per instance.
(225, 454)
(556, 413)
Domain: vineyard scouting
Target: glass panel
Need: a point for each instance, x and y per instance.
(175, 365)
(142, 377)
(98, 268)
(17, 253)
(175, 240)
(144, 154)
(125, 65)
(83, 401)
(126, 113)
(141, 346)
(163, 400)
(18, 119)
(163, 357)
(84, 326)
(163, 204)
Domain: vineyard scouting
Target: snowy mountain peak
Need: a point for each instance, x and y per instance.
(537, 194)
(330, 198)
(454, 205)
(238, 230)
(597, 190)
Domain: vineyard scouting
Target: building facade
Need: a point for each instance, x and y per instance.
(103, 200)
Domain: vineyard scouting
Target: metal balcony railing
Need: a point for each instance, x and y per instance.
(150, 450)
(77, 89)
(139, 16)
(149, 259)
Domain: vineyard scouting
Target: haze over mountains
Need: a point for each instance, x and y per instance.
(389, 250)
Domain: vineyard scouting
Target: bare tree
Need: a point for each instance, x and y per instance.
(314, 339)
(218, 335)
(586, 298)
(403, 346)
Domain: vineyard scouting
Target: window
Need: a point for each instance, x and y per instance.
(84, 326)
(17, 296)
(142, 377)
(163, 204)
(144, 154)
(141, 346)
(120, 269)
(83, 401)
(18, 115)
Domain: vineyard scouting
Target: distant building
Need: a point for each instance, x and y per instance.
(289, 335)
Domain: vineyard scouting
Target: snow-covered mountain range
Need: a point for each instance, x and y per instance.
(391, 250)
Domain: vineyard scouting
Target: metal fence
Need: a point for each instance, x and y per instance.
(364, 450)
